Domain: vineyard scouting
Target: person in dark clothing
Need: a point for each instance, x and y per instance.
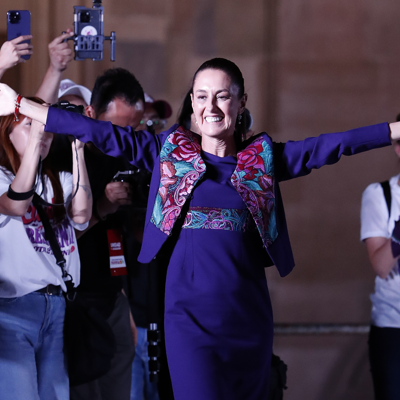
(117, 97)
(145, 282)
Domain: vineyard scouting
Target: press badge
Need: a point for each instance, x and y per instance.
(117, 259)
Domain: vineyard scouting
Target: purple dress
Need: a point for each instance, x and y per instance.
(218, 316)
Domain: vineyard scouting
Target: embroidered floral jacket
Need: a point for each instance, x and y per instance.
(174, 157)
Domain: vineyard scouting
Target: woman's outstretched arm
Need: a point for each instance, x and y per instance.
(39, 113)
(298, 158)
(140, 148)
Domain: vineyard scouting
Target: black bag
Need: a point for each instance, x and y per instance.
(89, 342)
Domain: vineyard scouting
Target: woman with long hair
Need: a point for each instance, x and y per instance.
(32, 307)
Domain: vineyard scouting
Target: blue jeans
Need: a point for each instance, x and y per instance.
(32, 364)
(141, 387)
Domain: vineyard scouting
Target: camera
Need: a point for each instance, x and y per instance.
(84, 17)
(140, 181)
(89, 37)
(66, 105)
(14, 17)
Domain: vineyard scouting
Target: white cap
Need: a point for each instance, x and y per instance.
(68, 87)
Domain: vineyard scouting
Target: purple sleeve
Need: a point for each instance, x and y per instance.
(140, 148)
(295, 159)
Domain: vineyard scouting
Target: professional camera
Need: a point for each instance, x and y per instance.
(66, 105)
(140, 181)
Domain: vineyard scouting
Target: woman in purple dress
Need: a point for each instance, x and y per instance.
(215, 209)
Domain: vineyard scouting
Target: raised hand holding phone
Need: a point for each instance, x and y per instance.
(13, 51)
(19, 24)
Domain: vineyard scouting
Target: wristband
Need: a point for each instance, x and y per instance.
(17, 107)
(18, 196)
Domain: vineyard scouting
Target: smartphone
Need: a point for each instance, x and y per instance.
(88, 27)
(18, 24)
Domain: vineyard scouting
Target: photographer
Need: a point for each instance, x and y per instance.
(31, 303)
(116, 97)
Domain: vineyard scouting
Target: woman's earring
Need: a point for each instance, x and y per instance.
(239, 118)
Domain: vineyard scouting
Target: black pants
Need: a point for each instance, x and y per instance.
(384, 357)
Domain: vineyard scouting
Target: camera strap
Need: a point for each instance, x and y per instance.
(50, 236)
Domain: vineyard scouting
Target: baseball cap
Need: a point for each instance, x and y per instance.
(68, 87)
(162, 107)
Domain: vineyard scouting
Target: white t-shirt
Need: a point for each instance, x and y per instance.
(375, 222)
(27, 262)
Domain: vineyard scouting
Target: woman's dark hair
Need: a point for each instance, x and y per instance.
(184, 118)
(115, 83)
(233, 71)
(10, 160)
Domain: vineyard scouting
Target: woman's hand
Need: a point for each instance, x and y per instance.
(7, 100)
(11, 52)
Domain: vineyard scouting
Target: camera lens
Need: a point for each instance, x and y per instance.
(14, 17)
(85, 16)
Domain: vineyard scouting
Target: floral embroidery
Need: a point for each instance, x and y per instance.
(181, 167)
(186, 150)
(219, 218)
(254, 180)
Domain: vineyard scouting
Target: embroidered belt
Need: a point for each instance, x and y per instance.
(227, 219)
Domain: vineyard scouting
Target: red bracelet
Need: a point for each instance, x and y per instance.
(17, 107)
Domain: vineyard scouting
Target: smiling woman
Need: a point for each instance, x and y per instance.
(218, 102)
(215, 216)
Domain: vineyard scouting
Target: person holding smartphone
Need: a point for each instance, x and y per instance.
(12, 52)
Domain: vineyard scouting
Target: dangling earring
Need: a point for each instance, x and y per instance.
(239, 118)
